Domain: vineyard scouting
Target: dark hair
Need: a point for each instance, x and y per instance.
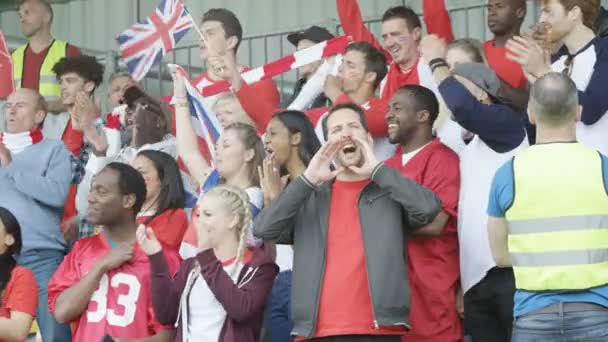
(375, 61)
(297, 122)
(403, 12)
(132, 94)
(423, 99)
(348, 105)
(152, 122)
(7, 262)
(84, 66)
(230, 23)
(172, 194)
(250, 139)
(44, 4)
(130, 181)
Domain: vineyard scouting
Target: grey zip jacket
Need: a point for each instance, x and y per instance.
(389, 206)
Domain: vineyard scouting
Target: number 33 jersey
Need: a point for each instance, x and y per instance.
(122, 305)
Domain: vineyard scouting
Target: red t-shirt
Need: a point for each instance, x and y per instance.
(432, 263)
(20, 294)
(122, 304)
(509, 71)
(33, 62)
(396, 78)
(345, 307)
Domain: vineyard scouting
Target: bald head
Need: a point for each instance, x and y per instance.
(25, 110)
(553, 101)
(41, 4)
(36, 17)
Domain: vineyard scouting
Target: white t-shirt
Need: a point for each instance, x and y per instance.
(206, 314)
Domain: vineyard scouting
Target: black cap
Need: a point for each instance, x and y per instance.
(314, 33)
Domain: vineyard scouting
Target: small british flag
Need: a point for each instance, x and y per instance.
(144, 44)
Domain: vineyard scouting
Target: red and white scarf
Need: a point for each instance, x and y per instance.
(285, 64)
(17, 142)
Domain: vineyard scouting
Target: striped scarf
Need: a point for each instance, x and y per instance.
(17, 142)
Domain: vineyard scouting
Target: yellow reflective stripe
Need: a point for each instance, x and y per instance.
(576, 276)
(559, 258)
(557, 224)
(562, 241)
(48, 79)
(51, 98)
(17, 57)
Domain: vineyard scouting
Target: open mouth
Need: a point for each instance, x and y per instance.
(349, 149)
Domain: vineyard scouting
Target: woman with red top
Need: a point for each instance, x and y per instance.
(220, 294)
(17, 284)
(163, 210)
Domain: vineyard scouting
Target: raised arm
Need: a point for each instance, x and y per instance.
(497, 125)
(187, 144)
(437, 19)
(353, 25)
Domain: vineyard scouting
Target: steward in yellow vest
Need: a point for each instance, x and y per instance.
(48, 86)
(548, 219)
(558, 221)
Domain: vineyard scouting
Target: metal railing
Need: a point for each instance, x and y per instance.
(257, 50)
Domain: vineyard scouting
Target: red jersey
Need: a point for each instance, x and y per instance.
(20, 294)
(169, 227)
(509, 71)
(432, 263)
(32, 62)
(121, 306)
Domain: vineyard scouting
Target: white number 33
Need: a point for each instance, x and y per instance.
(128, 301)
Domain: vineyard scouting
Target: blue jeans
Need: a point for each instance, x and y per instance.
(587, 326)
(278, 312)
(43, 264)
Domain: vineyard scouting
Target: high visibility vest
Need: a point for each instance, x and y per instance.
(48, 86)
(558, 222)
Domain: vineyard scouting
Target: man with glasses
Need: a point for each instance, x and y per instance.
(35, 178)
(584, 59)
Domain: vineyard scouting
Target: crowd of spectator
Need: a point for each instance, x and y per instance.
(411, 188)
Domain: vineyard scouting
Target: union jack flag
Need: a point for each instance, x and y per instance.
(144, 44)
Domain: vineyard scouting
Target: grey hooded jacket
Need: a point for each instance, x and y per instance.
(389, 206)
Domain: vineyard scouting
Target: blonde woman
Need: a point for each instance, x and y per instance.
(219, 295)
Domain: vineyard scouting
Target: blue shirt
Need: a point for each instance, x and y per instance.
(501, 198)
(34, 187)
